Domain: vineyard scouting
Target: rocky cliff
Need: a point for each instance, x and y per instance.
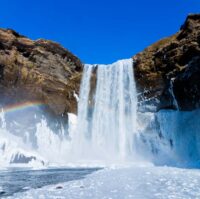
(38, 70)
(168, 72)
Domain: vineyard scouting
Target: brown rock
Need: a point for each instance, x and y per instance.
(39, 70)
(172, 62)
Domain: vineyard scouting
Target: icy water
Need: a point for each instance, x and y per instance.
(18, 180)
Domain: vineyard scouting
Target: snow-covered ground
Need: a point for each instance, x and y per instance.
(140, 182)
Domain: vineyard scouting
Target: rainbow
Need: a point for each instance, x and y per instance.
(21, 106)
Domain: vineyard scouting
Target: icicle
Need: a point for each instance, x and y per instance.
(171, 90)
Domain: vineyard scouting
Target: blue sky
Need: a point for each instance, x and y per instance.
(97, 31)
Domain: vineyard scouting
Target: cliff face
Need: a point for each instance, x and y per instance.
(38, 70)
(168, 72)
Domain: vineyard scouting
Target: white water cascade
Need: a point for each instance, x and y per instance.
(106, 126)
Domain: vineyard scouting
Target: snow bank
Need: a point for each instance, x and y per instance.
(135, 183)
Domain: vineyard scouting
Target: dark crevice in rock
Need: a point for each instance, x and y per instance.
(188, 55)
(2, 46)
(1, 72)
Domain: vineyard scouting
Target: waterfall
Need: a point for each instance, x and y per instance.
(108, 128)
(107, 131)
(79, 142)
(103, 131)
